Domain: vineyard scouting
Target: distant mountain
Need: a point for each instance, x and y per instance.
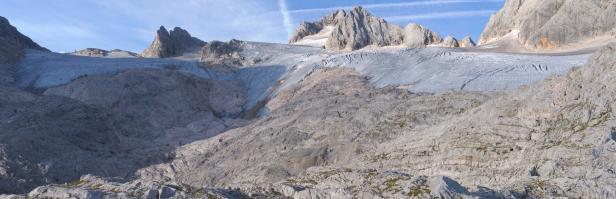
(552, 23)
(358, 28)
(172, 43)
(95, 52)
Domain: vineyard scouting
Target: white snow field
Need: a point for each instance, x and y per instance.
(419, 70)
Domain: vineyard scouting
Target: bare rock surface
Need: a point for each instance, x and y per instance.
(109, 125)
(172, 43)
(548, 24)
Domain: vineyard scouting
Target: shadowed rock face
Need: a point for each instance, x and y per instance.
(552, 23)
(172, 43)
(12, 46)
(12, 42)
(108, 125)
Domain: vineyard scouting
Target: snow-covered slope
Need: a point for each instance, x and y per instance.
(419, 70)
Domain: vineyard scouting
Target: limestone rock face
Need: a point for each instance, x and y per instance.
(449, 42)
(172, 43)
(467, 42)
(416, 35)
(352, 30)
(12, 42)
(551, 23)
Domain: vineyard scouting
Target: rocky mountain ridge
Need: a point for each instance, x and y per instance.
(358, 28)
(253, 120)
(171, 43)
(96, 52)
(549, 24)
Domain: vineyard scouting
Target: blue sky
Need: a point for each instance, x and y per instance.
(67, 25)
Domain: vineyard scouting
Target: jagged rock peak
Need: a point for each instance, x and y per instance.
(549, 23)
(172, 43)
(352, 30)
(13, 43)
(467, 42)
(358, 28)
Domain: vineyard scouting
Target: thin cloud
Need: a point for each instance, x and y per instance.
(393, 5)
(287, 20)
(439, 15)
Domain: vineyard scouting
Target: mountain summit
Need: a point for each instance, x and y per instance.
(358, 28)
(172, 43)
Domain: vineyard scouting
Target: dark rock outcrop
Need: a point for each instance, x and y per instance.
(13, 43)
(172, 43)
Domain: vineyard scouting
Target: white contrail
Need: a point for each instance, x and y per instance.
(287, 20)
(390, 5)
(441, 15)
